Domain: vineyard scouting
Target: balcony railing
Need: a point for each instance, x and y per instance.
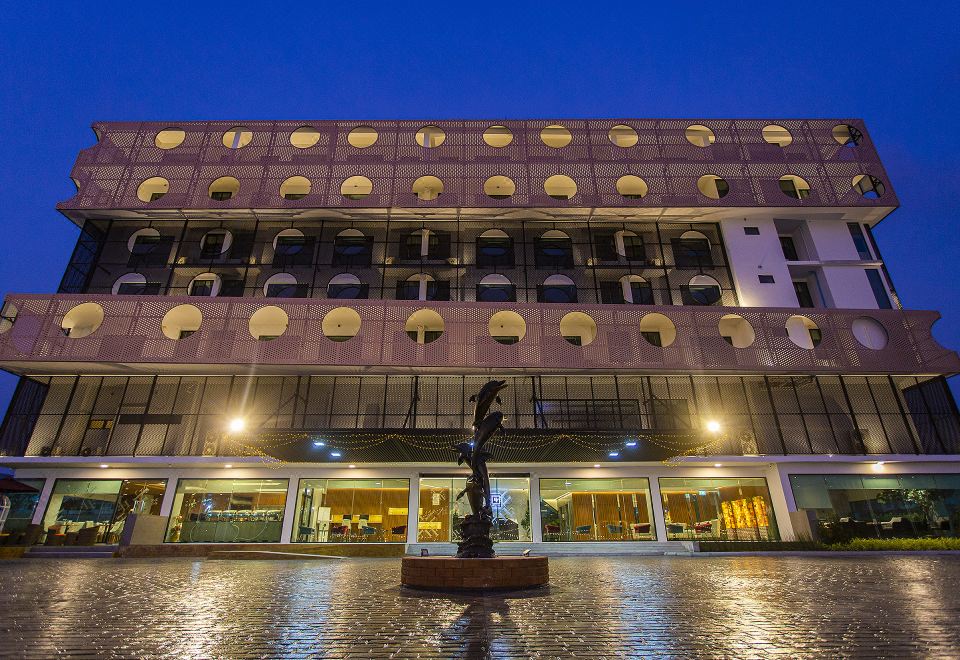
(130, 338)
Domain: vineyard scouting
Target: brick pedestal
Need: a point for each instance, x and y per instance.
(474, 574)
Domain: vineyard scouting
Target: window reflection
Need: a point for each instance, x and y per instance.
(352, 511)
(227, 511)
(98, 508)
(22, 507)
(727, 509)
(596, 510)
(440, 514)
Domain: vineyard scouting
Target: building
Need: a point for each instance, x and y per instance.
(269, 332)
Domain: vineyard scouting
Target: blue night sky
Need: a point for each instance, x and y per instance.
(62, 66)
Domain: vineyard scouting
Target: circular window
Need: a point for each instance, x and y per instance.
(702, 290)
(304, 137)
(507, 327)
(847, 135)
(803, 332)
(699, 135)
(82, 320)
(498, 136)
(143, 240)
(204, 284)
(736, 331)
(280, 285)
(356, 187)
(776, 134)
(794, 187)
(499, 187)
(296, 187)
(224, 188)
(340, 324)
(8, 316)
(424, 326)
(181, 322)
(635, 290)
(496, 288)
(870, 333)
(345, 286)
(713, 186)
(169, 138)
(362, 137)
(658, 330)
(153, 189)
(868, 186)
(557, 289)
(430, 136)
(215, 242)
(623, 136)
(555, 136)
(632, 187)
(130, 284)
(237, 137)
(268, 323)
(578, 328)
(427, 188)
(288, 242)
(560, 186)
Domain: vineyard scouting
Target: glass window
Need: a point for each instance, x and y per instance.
(77, 504)
(596, 510)
(352, 250)
(553, 252)
(557, 293)
(692, 253)
(145, 244)
(879, 290)
(352, 511)
(440, 513)
(494, 251)
(802, 289)
(864, 506)
(496, 293)
(227, 511)
(859, 240)
(727, 509)
(213, 244)
(789, 248)
(22, 506)
(700, 294)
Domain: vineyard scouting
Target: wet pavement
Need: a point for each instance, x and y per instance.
(611, 607)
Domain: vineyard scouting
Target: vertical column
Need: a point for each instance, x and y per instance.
(290, 508)
(413, 508)
(166, 504)
(656, 504)
(536, 527)
(781, 496)
(43, 501)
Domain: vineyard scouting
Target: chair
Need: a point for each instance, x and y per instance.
(399, 530)
(582, 530)
(705, 527)
(552, 531)
(338, 530)
(88, 535)
(304, 532)
(31, 536)
(675, 528)
(614, 530)
(367, 532)
(641, 528)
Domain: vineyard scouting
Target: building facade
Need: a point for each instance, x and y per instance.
(270, 332)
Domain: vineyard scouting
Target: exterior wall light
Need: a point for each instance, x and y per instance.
(632, 443)
(228, 466)
(718, 465)
(237, 424)
(335, 454)
(352, 466)
(613, 454)
(878, 466)
(713, 426)
(596, 465)
(319, 443)
(104, 465)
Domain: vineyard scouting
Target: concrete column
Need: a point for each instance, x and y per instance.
(168, 494)
(43, 501)
(289, 509)
(781, 496)
(536, 527)
(656, 503)
(413, 506)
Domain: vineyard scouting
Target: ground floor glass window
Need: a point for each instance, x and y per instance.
(596, 510)
(352, 510)
(440, 512)
(22, 507)
(871, 506)
(726, 509)
(98, 508)
(227, 511)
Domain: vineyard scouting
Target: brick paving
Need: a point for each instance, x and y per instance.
(724, 607)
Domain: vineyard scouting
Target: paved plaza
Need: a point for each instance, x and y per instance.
(719, 607)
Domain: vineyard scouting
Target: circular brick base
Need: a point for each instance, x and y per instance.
(474, 574)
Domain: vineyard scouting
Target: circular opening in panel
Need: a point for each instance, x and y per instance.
(8, 316)
(153, 189)
(776, 134)
(868, 186)
(290, 241)
(699, 135)
(430, 136)
(215, 242)
(237, 137)
(169, 138)
(345, 286)
(847, 135)
(556, 136)
(499, 187)
(713, 186)
(280, 285)
(736, 331)
(560, 186)
(632, 187)
(82, 320)
(143, 240)
(304, 137)
(658, 330)
(296, 187)
(204, 284)
(362, 137)
(507, 327)
(703, 290)
(356, 187)
(495, 287)
(870, 333)
(498, 136)
(340, 324)
(181, 322)
(129, 283)
(224, 188)
(578, 328)
(268, 323)
(623, 136)
(424, 326)
(803, 332)
(427, 188)
(794, 187)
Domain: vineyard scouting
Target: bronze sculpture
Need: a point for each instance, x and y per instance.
(475, 528)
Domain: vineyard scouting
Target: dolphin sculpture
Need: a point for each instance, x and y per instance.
(489, 393)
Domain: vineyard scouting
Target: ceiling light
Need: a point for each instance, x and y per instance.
(353, 466)
(237, 424)
(335, 454)
(319, 443)
(104, 465)
(713, 426)
(718, 465)
(613, 454)
(228, 466)
(596, 465)
(632, 443)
